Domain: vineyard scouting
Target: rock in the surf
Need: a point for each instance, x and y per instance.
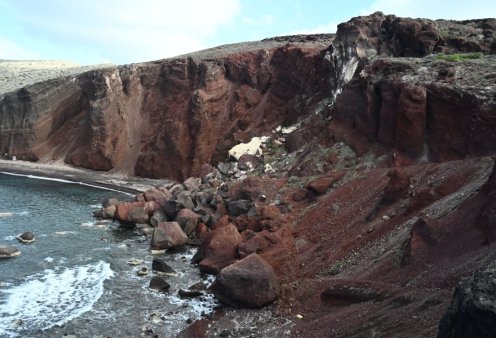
(26, 238)
(7, 251)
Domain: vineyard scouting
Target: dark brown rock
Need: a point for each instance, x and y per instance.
(250, 282)
(213, 265)
(26, 237)
(160, 266)
(189, 293)
(159, 284)
(188, 220)
(221, 241)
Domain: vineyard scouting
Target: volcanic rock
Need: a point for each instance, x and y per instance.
(192, 183)
(8, 251)
(159, 195)
(320, 185)
(168, 235)
(160, 266)
(250, 282)
(213, 265)
(189, 293)
(26, 237)
(238, 207)
(135, 212)
(472, 312)
(159, 284)
(221, 241)
(158, 216)
(188, 220)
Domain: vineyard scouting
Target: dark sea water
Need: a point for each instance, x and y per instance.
(74, 279)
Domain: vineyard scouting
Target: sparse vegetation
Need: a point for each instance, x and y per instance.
(459, 57)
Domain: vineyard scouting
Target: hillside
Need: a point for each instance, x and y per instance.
(372, 195)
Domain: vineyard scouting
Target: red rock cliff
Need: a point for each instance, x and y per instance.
(166, 118)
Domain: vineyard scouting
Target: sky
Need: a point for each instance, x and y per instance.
(127, 31)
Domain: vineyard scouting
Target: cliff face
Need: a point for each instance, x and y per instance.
(166, 118)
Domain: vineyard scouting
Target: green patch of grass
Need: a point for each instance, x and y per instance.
(459, 57)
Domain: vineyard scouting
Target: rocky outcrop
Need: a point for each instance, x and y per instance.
(407, 103)
(251, 282)
(472, 312)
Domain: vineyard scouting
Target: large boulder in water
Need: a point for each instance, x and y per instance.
(7, 251)
(250, 282)
(26, 238)
(472, 312)
(168, 235)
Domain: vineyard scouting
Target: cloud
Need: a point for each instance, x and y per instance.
(456, 10)
(263, 21)
(330, 27)
(126, 30)
(11, 51)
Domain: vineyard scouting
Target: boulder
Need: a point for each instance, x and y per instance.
(192, 183)
(159, 195)
(158, 216)
(250, 282)
(135, 212)
(7, 251)
(168, 235)
(221, 241)
(108, 212)
(26, 237)
(189, 293)
(184, 200)
(213, 265)
(170, 209)
(472, 312)
(188, 220)
(110, 202)
(239, 207)
(258, 243)
(162, 267)
(159, 284)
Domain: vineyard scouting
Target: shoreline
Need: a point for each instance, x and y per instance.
(97, 179)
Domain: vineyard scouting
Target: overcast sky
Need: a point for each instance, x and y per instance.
(125, 31)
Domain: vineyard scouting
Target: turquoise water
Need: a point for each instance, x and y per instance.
(74, 279)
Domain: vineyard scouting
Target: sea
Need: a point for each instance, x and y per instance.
(75, 280)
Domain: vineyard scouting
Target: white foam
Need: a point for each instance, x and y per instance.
(9, 238)
(88, 224)
(48, 259)
(53, 297)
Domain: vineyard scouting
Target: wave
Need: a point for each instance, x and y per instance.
(52, 297)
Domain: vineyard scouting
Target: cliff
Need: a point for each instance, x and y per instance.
(166, 118)
(370, 207)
